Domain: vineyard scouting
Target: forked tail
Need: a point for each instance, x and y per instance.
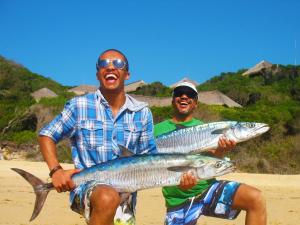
(41, 190)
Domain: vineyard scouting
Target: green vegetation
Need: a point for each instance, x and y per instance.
(16, 85)
(18, 123)
(22, 137)
(156, 89)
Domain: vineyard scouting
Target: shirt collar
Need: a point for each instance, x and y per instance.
(130, 103)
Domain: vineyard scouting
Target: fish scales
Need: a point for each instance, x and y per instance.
(139, 173)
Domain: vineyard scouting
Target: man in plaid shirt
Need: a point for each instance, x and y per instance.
(96, 124)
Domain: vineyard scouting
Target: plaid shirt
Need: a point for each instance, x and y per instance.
(95, 134)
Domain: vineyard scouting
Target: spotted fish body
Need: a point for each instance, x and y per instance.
(129, 174)
(206, 136)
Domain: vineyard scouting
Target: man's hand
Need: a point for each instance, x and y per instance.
(187, 181)
(224, 146)
(62, 181)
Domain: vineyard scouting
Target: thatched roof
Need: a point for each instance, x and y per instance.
(206, 97)
(134, 85)
(257, 68)
(43, 93)
(153, 101)
(216, 98)
(83, 89)
(185, 79)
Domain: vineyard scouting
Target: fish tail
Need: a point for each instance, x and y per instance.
(41, 190)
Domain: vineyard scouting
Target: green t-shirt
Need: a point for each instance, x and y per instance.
(173, 195)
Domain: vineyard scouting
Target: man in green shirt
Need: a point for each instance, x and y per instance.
(191, 199)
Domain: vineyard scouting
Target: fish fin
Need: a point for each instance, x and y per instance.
(180, 126)
(124, 196)
(124, 151)
(180, 168)
(126, 202)
(40, 188)
(220, 131)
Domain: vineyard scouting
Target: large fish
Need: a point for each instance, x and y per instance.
(206, 136)
(129, 174)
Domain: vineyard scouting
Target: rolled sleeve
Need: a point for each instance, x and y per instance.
(146, 142)
(62, 125)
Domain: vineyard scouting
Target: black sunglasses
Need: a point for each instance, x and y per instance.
(188, 92)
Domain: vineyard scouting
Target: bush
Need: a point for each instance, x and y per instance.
(22, 137)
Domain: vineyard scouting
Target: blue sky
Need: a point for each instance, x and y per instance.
(164, 40)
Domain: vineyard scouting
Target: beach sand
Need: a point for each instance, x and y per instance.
(282, 193)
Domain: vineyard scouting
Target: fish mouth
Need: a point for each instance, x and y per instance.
(264, 128)
(259, 130)
(227, 169)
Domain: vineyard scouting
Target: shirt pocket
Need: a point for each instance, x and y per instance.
(92, 133)
(132, 135)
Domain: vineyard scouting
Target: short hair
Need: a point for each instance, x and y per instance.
(121, 53)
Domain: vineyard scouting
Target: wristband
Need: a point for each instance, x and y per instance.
(58, 167)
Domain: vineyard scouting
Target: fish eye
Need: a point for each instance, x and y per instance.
(218, 164)
(250, 125)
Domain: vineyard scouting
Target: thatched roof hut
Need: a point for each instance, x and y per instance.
(43, 93)
(207, 97)
(258, 68)
(216, 98)
(134, 85)
(83, 89)
(153, 101)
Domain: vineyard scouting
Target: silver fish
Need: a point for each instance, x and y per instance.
(206, 136)
(129, 174)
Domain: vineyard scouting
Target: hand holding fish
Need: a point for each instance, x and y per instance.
(224, 145)
(187, 181)
(62, 181)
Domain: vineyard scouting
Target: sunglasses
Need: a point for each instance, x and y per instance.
(187, 92)
(117, 63)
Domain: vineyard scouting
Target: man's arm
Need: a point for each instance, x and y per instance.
(61, 178)
(60, 127)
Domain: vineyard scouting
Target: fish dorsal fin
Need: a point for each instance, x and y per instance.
(220, 131)
(180, 168)
(125, 152)
(180, 126)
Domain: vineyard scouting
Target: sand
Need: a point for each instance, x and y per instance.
(282, 193)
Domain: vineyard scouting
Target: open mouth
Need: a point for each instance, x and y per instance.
(183, 103)
(111, 77)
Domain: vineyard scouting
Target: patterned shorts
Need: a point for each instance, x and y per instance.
(215, 202)
(80, 203)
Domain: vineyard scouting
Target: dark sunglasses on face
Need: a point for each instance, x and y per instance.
(188, 93)
(117, 63)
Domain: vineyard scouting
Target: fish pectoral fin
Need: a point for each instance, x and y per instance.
(220, 131)
(125, 152)
(125, 196)
(180, 168)
(126, 202)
